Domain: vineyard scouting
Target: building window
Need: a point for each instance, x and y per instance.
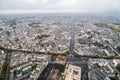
(75, 72)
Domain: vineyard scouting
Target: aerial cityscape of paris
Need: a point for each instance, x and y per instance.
(59, 39)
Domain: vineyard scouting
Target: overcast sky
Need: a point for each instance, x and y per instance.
(41, 6)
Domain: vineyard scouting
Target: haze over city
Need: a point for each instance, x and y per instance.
(47, 6)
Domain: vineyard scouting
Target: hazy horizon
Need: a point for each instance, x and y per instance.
(58, 6)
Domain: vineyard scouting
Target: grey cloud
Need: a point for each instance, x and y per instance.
(78, 5)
